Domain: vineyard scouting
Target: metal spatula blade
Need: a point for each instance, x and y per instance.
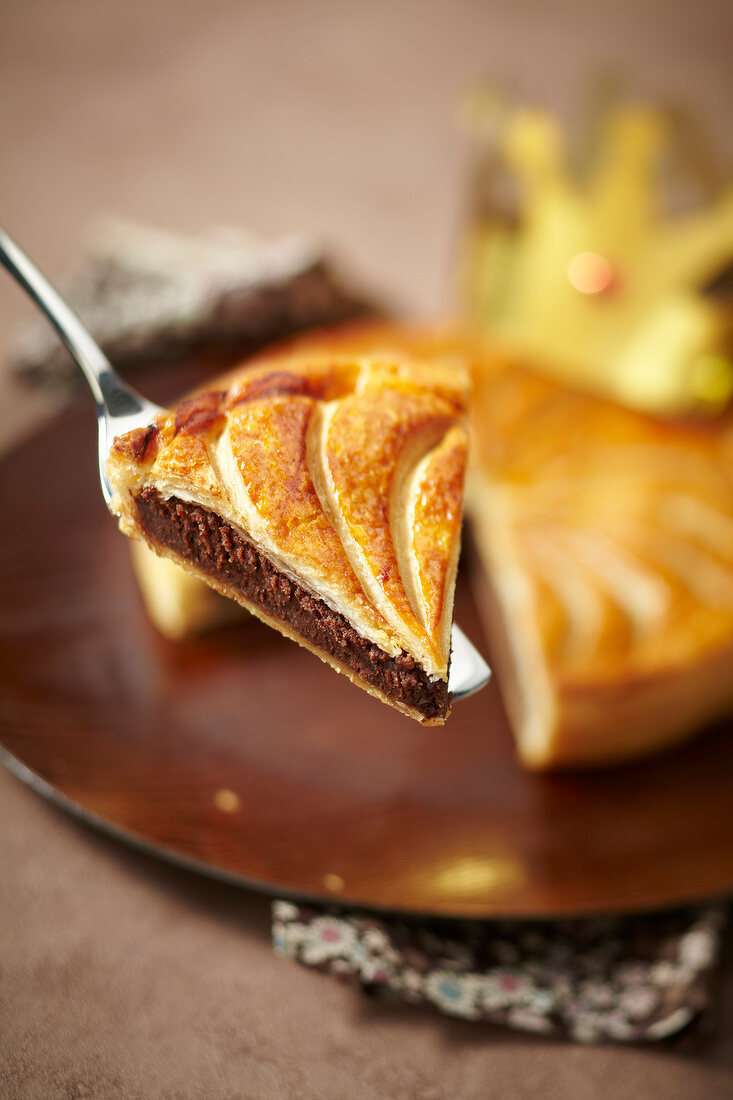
(468, 670)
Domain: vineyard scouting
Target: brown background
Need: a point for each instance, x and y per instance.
(119, 977)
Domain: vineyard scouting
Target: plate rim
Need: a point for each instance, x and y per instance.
(163, 852)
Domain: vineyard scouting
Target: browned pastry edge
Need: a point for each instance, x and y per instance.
(597, 725)
(202, 539)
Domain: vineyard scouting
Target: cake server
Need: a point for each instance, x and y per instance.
(120, 409)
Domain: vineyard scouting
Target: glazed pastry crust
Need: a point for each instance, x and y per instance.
(606, 538)
(341, 460)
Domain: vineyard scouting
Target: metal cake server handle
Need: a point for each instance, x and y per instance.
(120, 408)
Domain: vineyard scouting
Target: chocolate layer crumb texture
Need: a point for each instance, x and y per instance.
(321, 487)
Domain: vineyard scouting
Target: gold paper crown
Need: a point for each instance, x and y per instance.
(593, 281)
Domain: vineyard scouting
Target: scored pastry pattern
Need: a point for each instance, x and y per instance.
(609, 537)
(346, 472)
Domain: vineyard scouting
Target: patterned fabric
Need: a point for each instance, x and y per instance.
(594, 979)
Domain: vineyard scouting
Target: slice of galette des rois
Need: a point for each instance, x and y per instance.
(322, 490)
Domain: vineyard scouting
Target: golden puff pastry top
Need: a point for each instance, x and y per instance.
(618, 526)
(342, 459)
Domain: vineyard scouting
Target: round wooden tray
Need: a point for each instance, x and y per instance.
(244, 756)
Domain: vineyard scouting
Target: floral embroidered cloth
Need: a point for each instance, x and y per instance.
(593, 979)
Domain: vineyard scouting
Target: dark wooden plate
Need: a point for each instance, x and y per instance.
(327, 793)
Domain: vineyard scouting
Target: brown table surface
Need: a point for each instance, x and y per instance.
(119, 976)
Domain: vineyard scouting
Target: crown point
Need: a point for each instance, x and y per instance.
(533, 143)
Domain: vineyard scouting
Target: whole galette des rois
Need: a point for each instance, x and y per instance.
(607, 541)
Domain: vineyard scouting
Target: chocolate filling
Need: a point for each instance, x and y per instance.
(203, 538)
